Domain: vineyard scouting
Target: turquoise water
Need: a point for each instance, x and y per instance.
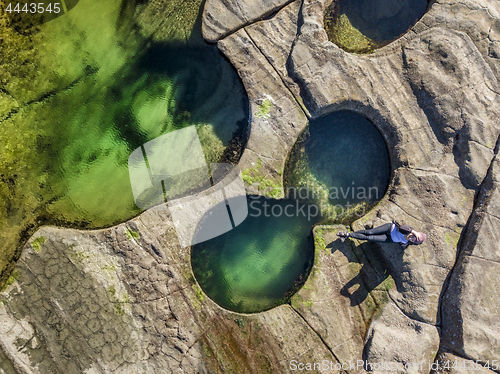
(63, 158)
(260, 263)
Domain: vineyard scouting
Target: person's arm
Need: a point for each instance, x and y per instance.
(404, 245)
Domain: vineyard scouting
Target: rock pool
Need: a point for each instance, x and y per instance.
(88, 92)
(360, 26)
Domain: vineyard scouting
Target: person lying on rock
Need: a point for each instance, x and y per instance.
(387, 233)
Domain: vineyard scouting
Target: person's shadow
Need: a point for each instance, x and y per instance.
(378, 260)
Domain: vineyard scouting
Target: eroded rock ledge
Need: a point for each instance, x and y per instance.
(124, 299)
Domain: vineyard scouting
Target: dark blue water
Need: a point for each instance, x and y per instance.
(340, 161)
(379, 21)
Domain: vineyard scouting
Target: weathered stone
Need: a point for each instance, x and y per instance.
(431, 96)
(274, 38)
(222, 17)
(293, 335)
(468, 307)
(343, 293)
(276, 118)
(407, 345)
(120, 323)
(471, 297)
(479, 19)
(450, 364)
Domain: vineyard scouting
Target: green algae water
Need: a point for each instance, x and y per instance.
(82, 91)
(260, 263)
(340, 163)
(360, 26)
(338, 168)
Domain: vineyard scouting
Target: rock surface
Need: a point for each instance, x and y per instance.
(417, 343)
(438, 169)
(274, 131)
(470, 300)
(223, 17)
(124, 299)
(345, 291)
(449, 363)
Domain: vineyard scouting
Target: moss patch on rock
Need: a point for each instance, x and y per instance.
(131, 234)
(267, 186)
(37, 243)
(11, 279)
(346, 36)
(264, 109)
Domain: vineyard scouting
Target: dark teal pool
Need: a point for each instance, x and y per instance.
(341, 161)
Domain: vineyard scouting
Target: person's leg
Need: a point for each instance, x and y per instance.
(384, 229)
(373, 238)
(377, 234)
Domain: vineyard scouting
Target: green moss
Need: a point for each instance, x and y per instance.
(112, 291)
(208, 351)
(365, 219)
(37, 244)
(118, 304)
(341, 31)
(387, 284)
(11, 279)
(118, 309)
(308, 303)
(319, 240)
(250, 175)
(79, 256)
(199, 293)
(269, 187)
(264, 109)
(131, 234)
(240, 322)
(108, 268)
(451, 238)
(370, 304)
(298, 302)
(382, 302)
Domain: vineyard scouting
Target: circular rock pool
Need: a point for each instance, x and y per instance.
(360, 26)
(340, 163)
(264, 261)
(260, 263)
